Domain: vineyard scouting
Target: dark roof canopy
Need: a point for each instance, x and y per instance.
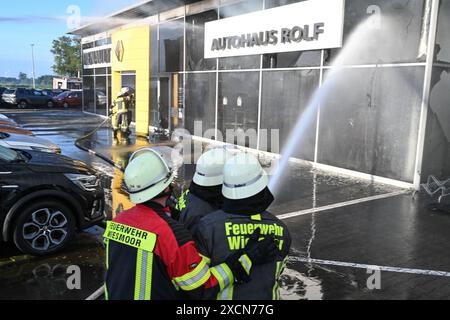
(142, 10)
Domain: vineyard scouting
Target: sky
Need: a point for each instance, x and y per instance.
(26, 22)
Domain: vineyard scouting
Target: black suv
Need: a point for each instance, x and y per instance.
(45, 198)
(24, 98)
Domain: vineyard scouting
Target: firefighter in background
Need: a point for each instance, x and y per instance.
(150, 256)
(121, 111)
(204, 196)
(222, 233)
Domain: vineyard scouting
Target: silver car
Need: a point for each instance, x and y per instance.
(22, 142)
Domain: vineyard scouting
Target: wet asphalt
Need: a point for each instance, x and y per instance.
(400, 231)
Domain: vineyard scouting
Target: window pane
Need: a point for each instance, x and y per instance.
(369, 121)
(200, 101)
(88, 93)
(154, 116)
(292, 59)
(279, 3)
(285, 96)
(171, 46)
(238, 105)
(244, 62)
(442, 39)
(393, 33)
(437, 139)
(100, 71)
(100, 91)
(88, 72)
(195, 41)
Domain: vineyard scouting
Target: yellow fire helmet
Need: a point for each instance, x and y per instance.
(147, 175)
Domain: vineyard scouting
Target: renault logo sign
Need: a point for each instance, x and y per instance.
(119, 50)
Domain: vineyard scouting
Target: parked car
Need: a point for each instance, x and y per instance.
(2, 89)
(23, 142)
(45, 198)
(69, 99)
(100, 97)
(16, 130)
(8, 122)
(5, 118)
(49, 93)
(24, 98)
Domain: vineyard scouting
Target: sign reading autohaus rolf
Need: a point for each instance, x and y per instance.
(308, 25)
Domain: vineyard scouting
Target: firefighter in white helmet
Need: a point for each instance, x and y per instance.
(224, 232)
(150, 256)
(204, 195)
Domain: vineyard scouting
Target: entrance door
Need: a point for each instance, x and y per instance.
(166, 98)
(129, 80)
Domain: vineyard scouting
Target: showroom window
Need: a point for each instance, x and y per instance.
(244, 62)
(285, 96)
(238, 105)
(396, 24)
(373, 127)
(171, 46)
(200, 102)
(195, 38)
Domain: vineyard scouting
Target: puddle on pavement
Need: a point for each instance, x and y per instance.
(35, 278)
(303, 188)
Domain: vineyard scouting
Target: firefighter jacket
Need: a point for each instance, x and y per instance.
(198, 202)
(150, 256)
(222, 233)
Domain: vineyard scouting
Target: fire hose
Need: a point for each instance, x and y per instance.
(78, 144)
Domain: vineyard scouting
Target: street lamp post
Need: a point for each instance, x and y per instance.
(34, 74)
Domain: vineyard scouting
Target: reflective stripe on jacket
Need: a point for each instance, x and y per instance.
(220, 234)
(150, 256)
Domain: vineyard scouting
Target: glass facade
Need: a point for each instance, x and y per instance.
(200, 101)
(437, 138)
(97, 76)
(365, 116)
(285, 96)
(398, 25)
(97, 90)
(238, 107)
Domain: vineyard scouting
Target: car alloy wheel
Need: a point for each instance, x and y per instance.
(66, 105)
(47, 228)
(50, 104)
(23, 104)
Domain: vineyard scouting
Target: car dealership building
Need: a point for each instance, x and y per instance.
(383, 112)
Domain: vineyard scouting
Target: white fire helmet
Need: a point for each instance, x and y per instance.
(147, 175)
(244, 177)
(209, 171)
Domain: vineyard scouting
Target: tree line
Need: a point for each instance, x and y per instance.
(22, 80)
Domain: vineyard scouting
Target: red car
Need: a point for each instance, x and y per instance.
(68, 99)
